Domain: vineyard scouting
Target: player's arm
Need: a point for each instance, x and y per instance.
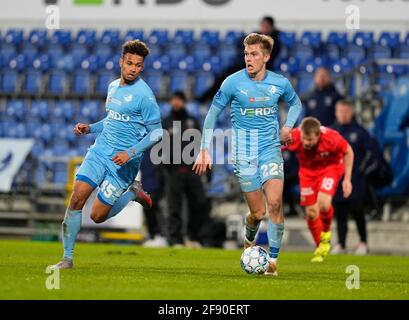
(151, 116)
(84, 128)
(222, 98)
(348, 163)
(294, 111)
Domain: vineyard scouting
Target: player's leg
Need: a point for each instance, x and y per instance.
(273, 190)
(257, 210)
(324, 201)
(357, 209)
(341, 215)
(314, 222)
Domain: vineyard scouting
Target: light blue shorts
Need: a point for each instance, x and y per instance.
(98, 169)
(252, 173)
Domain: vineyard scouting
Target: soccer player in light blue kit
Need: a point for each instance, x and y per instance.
(132, 125)
(253, 94)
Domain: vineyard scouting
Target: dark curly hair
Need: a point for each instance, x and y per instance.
(135, 47)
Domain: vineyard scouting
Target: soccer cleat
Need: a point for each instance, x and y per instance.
(63, 264)
(338, 249)
(324, 247)
(248, 243)
(272, 269)
(141, 196)
(157, 242)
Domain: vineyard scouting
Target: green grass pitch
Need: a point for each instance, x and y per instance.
(106, 271)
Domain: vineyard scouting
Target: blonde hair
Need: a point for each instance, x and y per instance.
(265, 41)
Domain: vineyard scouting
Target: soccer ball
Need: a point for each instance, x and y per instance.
(254, 260)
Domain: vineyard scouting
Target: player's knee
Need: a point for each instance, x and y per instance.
(97, 218)
(324, 206)
(312, 213)
(274, 207)
(258, 214)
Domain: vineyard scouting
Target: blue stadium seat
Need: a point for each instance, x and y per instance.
(154, 79)
(203, 81)
(39, 109)
(134, 34)
(60, 175)
(6, 124)
(161, 63)
(15, 109)
(211, 64)
(175, 51)
(30, 53)
(193, 108)
(81, 82)
(355, 53)
(332, 51)
(305, 82)
(7, 52)
(158, 37)
(303, 53)
(90, 63)
(290, 66)
(61, 37)
(78, 53)
(338, 38)
(9, 81)
(38, 37)
(57, 82)
(381, 52)
(17, 131)
(54, 51)
(64, 62)
(288, 39)
(210, 38)
(404, 51)
(38, 148)
(232, 37)
(112, 63)
(86, 37)
(201, 51)
(103, 79)
(363, 38)
(43, 62)
(227, 54)
(89, 111)
(18, 63)
(110, 37)
(64, 109)
(183, 37)
(165, 109)
(179, 81)
(14, 36)
(103, 52)
(389, 39)
(33, 79)
(311, 38)
(186, 63)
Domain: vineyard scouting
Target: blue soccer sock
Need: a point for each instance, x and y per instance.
(275, 235)
(70, 228)
(121, 203)
(251, 231)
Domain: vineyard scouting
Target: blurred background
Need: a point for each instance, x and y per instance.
(58, 57)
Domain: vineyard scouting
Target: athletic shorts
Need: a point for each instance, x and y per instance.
(325, 181)
(98, 169)
(253, 173)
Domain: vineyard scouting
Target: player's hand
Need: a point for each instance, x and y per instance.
(203, 161)
(285, 136)
(121, 158)
(81, 128)
(346, 188)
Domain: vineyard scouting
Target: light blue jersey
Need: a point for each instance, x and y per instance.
(256, 147)
(132, 116)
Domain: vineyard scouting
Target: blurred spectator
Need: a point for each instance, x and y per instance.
(360, 141)
(153, 184)
(181, 180)
(320, 103)
(267, 26)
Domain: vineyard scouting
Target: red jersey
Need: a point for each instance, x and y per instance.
(330, 151)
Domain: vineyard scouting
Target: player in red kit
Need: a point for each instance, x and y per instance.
(324, 157)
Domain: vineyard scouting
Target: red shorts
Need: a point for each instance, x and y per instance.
(325, 181)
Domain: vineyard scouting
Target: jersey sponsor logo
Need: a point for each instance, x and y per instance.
(307, 191)
(118, 116)
(262, 99)
(324, 154)
(218, 94)
(128, 98)
(115, 101)
(262, 111)
(251, 99)
(245, 92)
(273, 89)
